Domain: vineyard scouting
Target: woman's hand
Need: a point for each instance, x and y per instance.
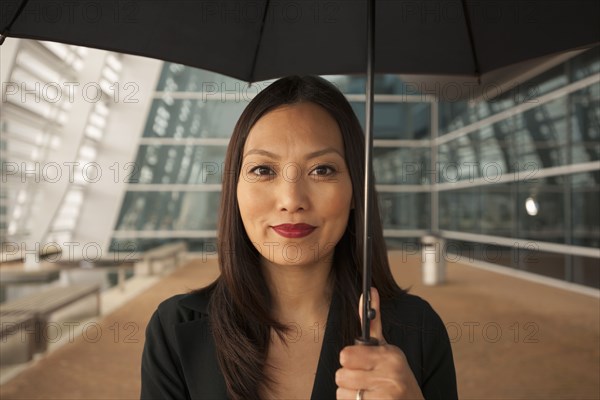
(382, 372)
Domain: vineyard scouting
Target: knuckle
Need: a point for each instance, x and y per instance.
(397, 363)
(343, 356)
(338, 376)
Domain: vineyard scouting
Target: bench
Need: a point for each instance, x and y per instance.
(11, 277)
(42, 305)
(12, 350)
(165, 256)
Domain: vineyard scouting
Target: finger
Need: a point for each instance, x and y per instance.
(376, 330)
(363, 358)
(350, 394)
(354, 378)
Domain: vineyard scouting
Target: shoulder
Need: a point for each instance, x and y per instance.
(184, 307)
(412, 314)
(413, 308)
(412, 324)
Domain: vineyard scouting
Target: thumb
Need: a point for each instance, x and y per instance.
(376, 327)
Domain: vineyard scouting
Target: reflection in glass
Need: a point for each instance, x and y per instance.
(192, 118)
(147, 211)
(404, 210)
(402, 166)
(405, 121)
(156, 164)
(585, 200)
(585, 122)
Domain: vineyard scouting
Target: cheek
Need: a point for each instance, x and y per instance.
(251, 204)
(336, 202)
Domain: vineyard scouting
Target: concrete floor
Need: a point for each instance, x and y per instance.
(512, 338)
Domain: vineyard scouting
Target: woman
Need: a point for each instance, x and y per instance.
(281, 319)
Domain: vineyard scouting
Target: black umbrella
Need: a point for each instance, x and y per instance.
(255, 40)
(262, 39)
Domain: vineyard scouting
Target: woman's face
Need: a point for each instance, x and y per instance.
(294, 191)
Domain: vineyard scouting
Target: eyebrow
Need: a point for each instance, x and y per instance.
(314, 154)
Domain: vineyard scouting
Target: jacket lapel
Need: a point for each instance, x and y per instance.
(196, 348)
(329, 360)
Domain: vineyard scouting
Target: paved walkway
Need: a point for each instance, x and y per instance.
(512, 339)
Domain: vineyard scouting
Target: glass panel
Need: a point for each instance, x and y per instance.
(407, 121)
(147, 211)
(533, 209)
(459, 159)
(495, 155)
(404, 166)
(192, 118)
(469, 252)
(404, 210)
(585, 123)
(486, 209)
(130, 249)
(457, 114)
(586, 64)
(586, 271)
(406, 244)
(384, 84)
(460, 210)
(179, 78)
(542, 263)
(541, 209)
(497, 210)
(545, 127)
(585, 207)
(179, 164)
(538, 136)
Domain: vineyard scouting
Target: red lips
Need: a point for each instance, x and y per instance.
(294, 230)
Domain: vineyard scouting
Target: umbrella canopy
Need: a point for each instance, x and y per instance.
(262, 39)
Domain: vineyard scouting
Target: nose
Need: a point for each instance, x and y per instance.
(292, 195)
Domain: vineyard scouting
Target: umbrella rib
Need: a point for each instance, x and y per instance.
(260, 36)
(471, 40)
(6, 30)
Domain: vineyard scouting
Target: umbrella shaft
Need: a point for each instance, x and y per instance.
(368, 153)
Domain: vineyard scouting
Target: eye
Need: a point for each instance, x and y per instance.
(323, 170)
(262, 170)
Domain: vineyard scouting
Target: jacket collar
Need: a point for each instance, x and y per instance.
(196, 301)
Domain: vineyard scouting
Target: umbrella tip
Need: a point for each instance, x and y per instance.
(2, 37)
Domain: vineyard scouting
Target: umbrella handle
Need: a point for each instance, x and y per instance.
(368, 341)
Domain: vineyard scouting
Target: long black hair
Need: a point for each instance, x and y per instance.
(240, 304)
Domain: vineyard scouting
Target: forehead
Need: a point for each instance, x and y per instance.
(295, 127)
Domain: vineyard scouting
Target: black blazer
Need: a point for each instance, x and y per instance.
(179, 360)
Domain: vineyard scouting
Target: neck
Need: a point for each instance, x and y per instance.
(300, 293)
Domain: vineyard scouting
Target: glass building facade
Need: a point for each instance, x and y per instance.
(511, 180)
